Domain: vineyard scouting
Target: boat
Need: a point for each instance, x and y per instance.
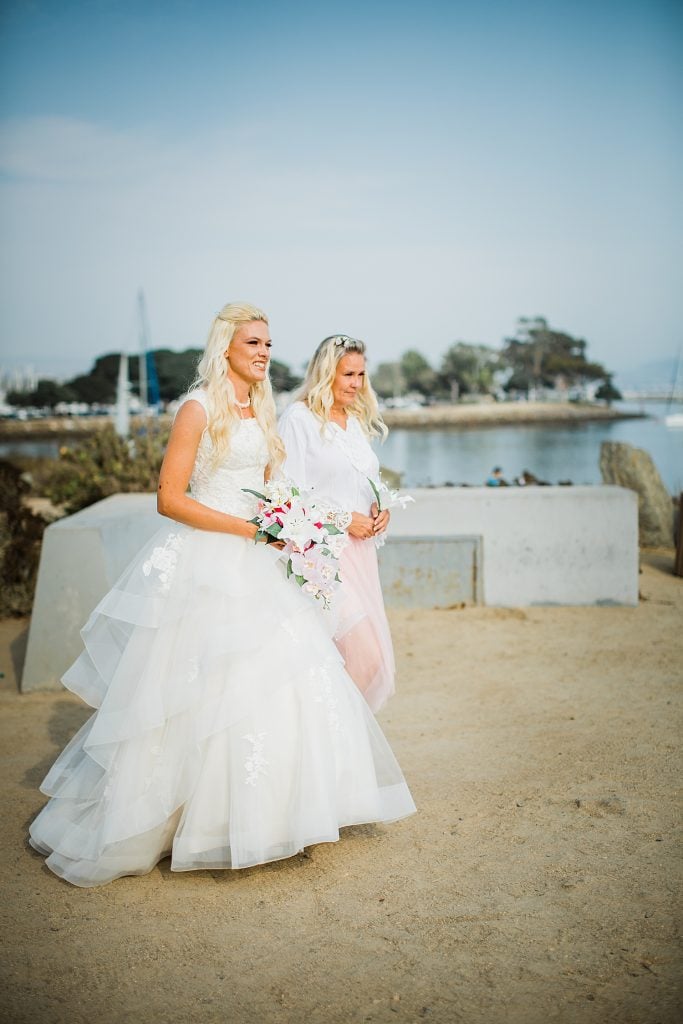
(675, 419)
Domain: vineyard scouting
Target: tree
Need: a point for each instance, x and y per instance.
(417, 373)
(539, 355)
(468, 369)
(281, 377)
(388, 380)
(93, 389)
(47, 395)
(607, 392)
(175, 372)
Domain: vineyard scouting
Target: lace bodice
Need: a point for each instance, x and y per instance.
(220, 486)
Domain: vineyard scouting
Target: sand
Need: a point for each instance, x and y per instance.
(537, 882)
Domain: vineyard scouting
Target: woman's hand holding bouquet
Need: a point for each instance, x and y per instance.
(310, 532)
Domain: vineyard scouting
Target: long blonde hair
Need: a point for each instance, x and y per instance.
(316, 390)
(212, 376)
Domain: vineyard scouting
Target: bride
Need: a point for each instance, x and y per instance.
(227, 732)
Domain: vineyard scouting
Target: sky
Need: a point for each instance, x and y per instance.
(410, 173)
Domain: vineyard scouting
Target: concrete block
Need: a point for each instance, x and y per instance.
(430, 572)
(541, 545)
(82, 557)
(511, 547)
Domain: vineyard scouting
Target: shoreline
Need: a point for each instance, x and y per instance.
(503, 414)
(56, 428)
(481, 414)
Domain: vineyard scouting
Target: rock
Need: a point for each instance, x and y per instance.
(626, 466)
(602, 806)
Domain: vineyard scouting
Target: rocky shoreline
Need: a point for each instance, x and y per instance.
(503, 414)
(60, 427)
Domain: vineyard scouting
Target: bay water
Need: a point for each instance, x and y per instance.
(551, 452)
(432, 457)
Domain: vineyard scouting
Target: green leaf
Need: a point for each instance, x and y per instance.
(256, 494)
(300, 580)
(289, 568)
(376, 493)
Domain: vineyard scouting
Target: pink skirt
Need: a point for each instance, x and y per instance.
(362, 635)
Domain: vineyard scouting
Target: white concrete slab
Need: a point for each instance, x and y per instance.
(82, 557)
(433, 571)
(539, 545)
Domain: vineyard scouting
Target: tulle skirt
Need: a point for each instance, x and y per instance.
(228, 732)
(362, 631)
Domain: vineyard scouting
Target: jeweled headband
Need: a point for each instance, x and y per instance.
(350, 344)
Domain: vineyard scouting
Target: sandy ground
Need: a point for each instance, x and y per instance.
(537, 883)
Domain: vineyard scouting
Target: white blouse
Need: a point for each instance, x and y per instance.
(334, 462)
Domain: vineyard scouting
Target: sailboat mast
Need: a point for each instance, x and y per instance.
(122, 417)
(673, 391)
(144, 345)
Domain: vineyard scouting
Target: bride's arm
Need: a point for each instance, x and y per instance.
(174, 477)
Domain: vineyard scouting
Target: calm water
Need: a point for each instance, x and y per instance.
(466, 456)
(552, 453)
(30, 449)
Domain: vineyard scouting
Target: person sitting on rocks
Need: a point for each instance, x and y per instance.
(496, 478)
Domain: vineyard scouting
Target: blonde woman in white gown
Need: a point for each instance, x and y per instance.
(227, 732)
(327, 433)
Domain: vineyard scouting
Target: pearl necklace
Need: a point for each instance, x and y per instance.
(243, 405)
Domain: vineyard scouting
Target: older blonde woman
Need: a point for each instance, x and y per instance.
(327, 433)
(227, 731)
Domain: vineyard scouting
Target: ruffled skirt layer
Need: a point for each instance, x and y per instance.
(228, 732)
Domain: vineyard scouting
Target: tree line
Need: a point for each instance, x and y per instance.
(175, 372)
(535, 357)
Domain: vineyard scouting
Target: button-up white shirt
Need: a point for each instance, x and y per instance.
(334, 462)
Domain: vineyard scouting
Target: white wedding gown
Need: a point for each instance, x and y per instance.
(227, 732)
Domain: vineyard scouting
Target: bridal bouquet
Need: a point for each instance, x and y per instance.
(387, 498)
(311, 532)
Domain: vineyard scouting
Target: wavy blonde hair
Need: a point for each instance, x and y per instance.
(316, 390)
(212, 376)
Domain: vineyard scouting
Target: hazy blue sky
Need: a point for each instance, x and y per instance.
(411, 173)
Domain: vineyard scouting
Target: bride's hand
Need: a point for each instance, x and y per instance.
(279, 544)
(361, 527)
